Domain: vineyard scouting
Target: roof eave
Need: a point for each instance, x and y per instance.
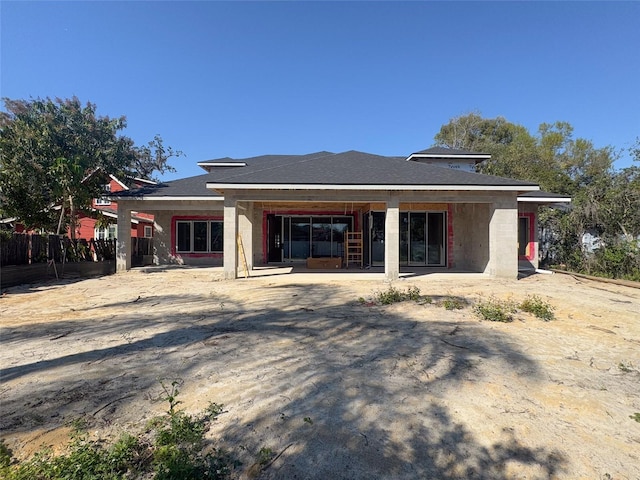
(275, 186)
(544, 199)
(477, 157)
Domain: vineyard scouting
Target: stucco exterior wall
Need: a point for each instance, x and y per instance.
(162, 239)
(471, 236)
(503, 237)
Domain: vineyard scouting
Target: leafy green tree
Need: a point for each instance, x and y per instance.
(55, 155)
(604, 200)
(153, 157)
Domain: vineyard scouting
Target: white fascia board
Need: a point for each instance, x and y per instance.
(475, 156)
(115, 179)
(208, 166)
(106, 214)
(144, 180)
(222, 164)
(544, 199)
(259, 186)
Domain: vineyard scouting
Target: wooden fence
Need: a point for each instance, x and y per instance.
(28, 249)
(32, 258)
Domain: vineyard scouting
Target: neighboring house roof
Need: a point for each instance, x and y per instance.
(320, 170)
(113, 213)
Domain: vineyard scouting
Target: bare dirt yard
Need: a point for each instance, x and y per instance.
(337, 387)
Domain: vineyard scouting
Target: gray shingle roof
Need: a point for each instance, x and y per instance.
(351, 168)
(184, 187)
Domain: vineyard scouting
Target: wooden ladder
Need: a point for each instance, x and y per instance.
(243, 257)
(353, 249)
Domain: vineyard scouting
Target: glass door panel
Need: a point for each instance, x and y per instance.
(300, 238)
(404, 237)
(436, 238)
(338, 228)
(523, 236)
(377, 238)
(417, 237)
(286, 239)
(321, 237)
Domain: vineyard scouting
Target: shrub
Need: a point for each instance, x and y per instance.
(395, 295)
(494, 310)
(174, 449)
(538, 307)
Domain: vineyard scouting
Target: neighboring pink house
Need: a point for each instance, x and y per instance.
(86, 226)
(141, 223)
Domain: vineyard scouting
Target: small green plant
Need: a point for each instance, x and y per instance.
(635, 416)
(6, 455)
(213, 410)
(625, 367)
(538, 307)
(308, 420)
(265, 454)
(453, 303)
(413, 293)
(425, 300)
(395, 295)
(494, 310)
(171, 394)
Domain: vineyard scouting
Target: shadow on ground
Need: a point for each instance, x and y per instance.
(337, 390)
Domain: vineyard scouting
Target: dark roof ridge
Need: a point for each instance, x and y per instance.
(286, 160)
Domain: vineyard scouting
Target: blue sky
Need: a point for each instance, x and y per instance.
(240, 79)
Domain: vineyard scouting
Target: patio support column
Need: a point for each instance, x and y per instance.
(392, 239)
(245, 227)
(123, 246)
(230, 257)
(503, 238)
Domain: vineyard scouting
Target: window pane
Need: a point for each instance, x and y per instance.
(184, 236)
(217, 239)
(200, 236)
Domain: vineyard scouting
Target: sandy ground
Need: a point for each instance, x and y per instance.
(341, 389)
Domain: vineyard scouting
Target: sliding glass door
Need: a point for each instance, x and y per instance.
(306, 236)
(422, 238)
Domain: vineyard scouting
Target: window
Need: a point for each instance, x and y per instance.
(199, 236)
(105, 233)
(148, 231)
(103, 200)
